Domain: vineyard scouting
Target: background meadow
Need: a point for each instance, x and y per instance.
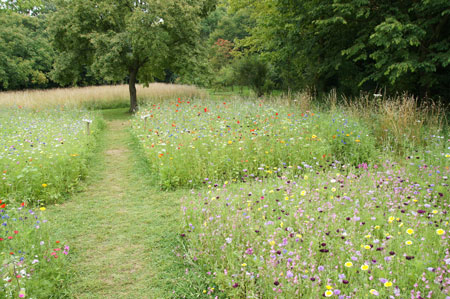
(94, 97)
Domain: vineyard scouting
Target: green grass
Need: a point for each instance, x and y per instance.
(123, 232)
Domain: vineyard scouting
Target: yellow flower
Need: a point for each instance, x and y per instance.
(357, 140)
(440, 231)
(373, 292)
(305, 177)
(329, 287)
(313, 136)
(377, 227)
(299, 236)
(328, 293)
(272, 243)
(44, 185)
(42, 208)
(230, 142)
(391, 219)
(410, 231)
(333, 189)
(303, 193)
(447, 155)
(244, 265)
(388, 284)
(367, 236)
(435, 211)
(366, 247)
(348, 264)
(408, 242)
(364, 267)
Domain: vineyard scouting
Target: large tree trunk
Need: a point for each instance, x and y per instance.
(132, 87)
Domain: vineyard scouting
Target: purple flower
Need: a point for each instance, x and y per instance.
(289, 274)
(249, 251)
(320, 268)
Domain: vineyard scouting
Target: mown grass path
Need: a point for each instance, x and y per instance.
(122, 232)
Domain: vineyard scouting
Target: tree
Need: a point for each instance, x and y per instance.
(25, 52)
(133, 38)
(253, 72)
(353, 44)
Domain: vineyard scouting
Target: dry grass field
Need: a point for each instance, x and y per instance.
(95, 96)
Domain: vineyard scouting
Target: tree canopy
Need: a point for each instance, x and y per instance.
(114, 39)
(354, 44)
(26, 55)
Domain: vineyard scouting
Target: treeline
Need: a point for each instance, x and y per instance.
(348, 45)
(289, 45)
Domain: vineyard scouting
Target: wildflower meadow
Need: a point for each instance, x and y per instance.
(43, 157)
(287, 203)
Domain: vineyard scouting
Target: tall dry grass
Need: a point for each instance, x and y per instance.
(399, 121)
(303, 100)
(96, 97)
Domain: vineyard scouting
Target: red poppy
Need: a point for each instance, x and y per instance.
(3, 205)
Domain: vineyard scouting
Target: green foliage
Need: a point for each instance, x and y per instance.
(21, 6)
(253, 72)
(26, 55)
(353, 45)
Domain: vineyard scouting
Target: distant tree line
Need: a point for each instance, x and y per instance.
(290, 45)
(347, 45)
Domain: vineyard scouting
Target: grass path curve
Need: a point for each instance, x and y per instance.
(122, 231)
